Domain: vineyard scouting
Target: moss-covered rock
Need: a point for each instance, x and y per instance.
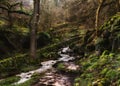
(9, 81)
(100, 71)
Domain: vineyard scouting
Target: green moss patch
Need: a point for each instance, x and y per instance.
(9, 81)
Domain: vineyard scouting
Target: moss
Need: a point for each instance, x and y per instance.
(103, 62)
(82, 82)
(50, 55)
(85, 65)
(2, 23)
(111, 74)
(27, 83)
(20, 30)
(35, 78)
(28, 68)
(93, 58)
(105, 67)
(101, 82)
(105, 82)
(9, 81)
(94, 66)
(76, 84)
(104, 71)
(87, 76)
(82, 32)
(99, 40)
(118, 82)
(61, 66)
(111, 23)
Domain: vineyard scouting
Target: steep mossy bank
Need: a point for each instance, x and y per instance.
(99, 71)
(100, 65)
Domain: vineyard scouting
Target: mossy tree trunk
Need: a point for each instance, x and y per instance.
(34, 27)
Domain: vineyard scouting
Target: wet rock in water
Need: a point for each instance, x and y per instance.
(53, 78)
(68, 68)
(72, 67)
(66, 50)
(65, 58)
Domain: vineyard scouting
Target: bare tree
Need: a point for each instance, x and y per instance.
(34, 22)
(10, 9)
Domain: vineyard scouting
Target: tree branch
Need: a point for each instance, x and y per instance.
(13, 5)
(20, 12)
(4, 8)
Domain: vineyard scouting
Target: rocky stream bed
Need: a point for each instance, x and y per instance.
(53, 76)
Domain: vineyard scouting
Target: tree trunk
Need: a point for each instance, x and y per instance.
(34, 26)
(118, 5)
(10, 22)
(97, 15)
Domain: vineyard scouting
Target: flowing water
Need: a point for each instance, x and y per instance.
(51, 77)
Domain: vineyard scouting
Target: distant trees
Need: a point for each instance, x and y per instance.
(34, 22)
(10, 9)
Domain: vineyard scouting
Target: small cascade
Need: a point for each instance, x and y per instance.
(52, 77)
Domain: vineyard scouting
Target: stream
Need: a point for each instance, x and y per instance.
(51, 77)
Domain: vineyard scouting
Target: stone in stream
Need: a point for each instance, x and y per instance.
(56, 80)
(65, 58)
(65, 54)
(66, 50)
(72, 66)
(51, 77)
